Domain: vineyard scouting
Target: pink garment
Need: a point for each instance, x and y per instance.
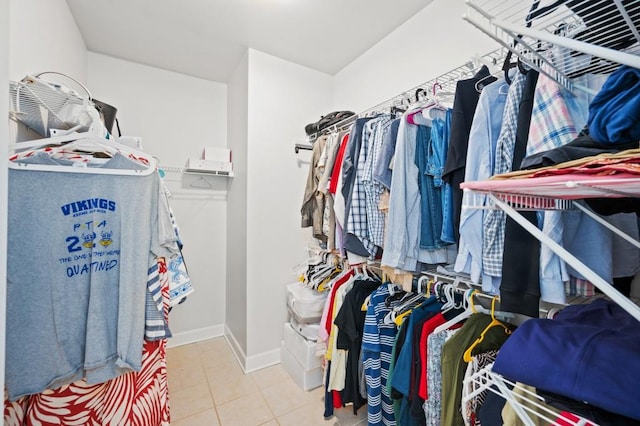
(568, 187)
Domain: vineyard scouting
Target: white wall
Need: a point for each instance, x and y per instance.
(283, 97)
(429, 44)
(177, 116)
(236, 295)
(44, 37)
(4, 135)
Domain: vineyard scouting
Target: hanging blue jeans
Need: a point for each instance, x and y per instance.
(430, 195)
(436, 158)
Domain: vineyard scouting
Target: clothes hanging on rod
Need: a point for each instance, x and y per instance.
(551, 126)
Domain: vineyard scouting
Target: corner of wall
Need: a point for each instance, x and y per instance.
(236, 264)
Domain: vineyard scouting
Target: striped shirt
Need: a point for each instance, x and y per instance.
(377, 344)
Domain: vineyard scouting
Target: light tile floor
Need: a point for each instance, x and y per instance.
(208, 388)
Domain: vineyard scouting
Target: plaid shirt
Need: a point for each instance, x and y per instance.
(372, 188)
(552, 127)
(551, 124)
(358, 221)
(494, 220)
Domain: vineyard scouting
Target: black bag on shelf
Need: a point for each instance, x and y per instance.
(327, 121)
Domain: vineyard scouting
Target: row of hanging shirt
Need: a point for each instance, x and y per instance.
(377, 190)
(417, 358)
(107, 253)
(523, 122)
(390, 189)
(384, 348)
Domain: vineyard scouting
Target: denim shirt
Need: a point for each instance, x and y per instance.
(483, 137)
(401, 248)
(436, 159)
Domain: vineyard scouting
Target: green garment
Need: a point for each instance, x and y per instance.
(453, 366)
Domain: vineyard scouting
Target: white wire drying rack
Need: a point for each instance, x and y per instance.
(527, 404)
(561, 43)
(43, 105)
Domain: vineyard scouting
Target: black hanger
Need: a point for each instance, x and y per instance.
(398, 295)
(396, 111)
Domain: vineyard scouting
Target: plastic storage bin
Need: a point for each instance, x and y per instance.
(306, 379)
(308, 331)
(302, 349)
(305, 303)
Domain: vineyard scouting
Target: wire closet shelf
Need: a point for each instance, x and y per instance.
(568, 39)
(443, 87)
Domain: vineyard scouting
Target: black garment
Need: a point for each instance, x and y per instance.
(520, 287)
(327, 121)
(588, 411)
(582, 146)
(622, 284)
(490, 412)
(464, 108)
(350, 323)
(351, 242)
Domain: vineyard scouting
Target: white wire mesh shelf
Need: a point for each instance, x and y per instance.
(576, 38)
(172, 173)
(568, 187)
(522, 202)
(42, 106)
(526, 404)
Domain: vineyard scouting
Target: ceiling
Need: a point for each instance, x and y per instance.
(207, 38)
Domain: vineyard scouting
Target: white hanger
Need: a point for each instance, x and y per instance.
(468, 305)
(92, 140)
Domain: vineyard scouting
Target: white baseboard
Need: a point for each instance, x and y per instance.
(251, 363)
(263, 360)
(197, 335)
(235, 347)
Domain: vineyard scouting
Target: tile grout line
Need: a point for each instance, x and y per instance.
(273, 415)
(215, 407)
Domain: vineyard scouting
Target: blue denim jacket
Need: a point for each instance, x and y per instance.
(436, 159)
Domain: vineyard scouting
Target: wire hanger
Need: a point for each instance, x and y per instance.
(201, 183)
(494, 322)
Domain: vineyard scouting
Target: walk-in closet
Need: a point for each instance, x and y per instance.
(284, 212)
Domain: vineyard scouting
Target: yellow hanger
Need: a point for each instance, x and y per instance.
(494, 322)
(429, 283)
(400, 318)
(470, 298)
